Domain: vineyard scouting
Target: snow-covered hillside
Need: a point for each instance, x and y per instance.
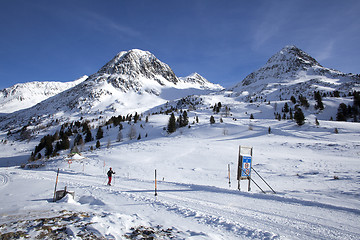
(292, 72)
(25, 95)
(313, 170)
(121, 116)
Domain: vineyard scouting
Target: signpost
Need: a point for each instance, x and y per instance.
(244, 165)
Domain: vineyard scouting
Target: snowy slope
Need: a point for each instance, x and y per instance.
(314, 171)
(25, 95)
(292, 72)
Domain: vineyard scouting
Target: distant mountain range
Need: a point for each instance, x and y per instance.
(136, 81)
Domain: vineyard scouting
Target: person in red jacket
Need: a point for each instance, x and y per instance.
(110, 173)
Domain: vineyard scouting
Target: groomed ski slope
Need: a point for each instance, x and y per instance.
(194, 198)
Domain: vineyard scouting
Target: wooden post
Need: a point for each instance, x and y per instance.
(155, 184)
(239, 169)
(57, 177)
(249, 185)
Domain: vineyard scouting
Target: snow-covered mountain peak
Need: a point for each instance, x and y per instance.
(199, 81)
(287, 63)
(295, 55)
(292, 71)
(130, 66)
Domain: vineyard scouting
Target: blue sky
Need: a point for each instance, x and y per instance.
(224, 41)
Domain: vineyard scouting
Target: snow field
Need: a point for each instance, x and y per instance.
(194, 198)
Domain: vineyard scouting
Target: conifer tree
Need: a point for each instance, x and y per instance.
(171, 124)
(212, 120)
(286, 108)
(303, 101)
(48, 148)
(342, 112)
(65, 143)
(299, 117)
(88, 136)
(100, 133)
(97, 144)
(136, 117)
(319, 104)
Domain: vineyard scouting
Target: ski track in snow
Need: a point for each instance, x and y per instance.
(4, 179)
(245, 219)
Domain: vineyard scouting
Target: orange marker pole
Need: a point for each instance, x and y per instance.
(155, 184)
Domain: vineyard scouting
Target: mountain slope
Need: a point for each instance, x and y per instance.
(291, 71)
(25, 95)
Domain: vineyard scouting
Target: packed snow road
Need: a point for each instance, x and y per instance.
(197, 211)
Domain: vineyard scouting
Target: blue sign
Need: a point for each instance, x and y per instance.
(246, 166)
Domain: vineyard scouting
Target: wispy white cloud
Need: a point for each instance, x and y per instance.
(270, 19)
(325, 51)
(105, 24)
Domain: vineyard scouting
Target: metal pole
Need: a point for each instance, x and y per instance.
(255, 183)
(263, 180)
(57, 177)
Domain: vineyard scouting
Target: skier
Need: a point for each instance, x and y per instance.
(110, 173)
